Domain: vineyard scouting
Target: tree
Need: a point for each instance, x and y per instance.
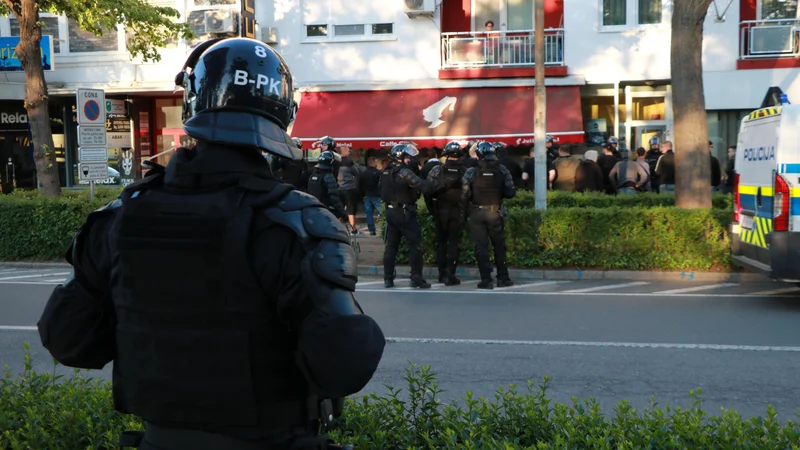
(148, 26)
(692, 160)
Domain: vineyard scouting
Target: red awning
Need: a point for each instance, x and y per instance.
(433, 117)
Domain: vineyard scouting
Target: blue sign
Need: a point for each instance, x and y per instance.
(8, 53)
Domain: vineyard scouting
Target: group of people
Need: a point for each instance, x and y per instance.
(613, 171)
(457, 187)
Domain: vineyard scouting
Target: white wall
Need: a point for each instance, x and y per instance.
(411, 53)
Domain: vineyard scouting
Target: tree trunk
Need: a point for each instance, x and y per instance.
(692, 159)
(36, 101)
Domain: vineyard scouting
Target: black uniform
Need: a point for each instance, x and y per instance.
(223, 296)
(323, 186)
(449, 215)
(484, 188)
(651, 157)
(294, 172)
(400, 188)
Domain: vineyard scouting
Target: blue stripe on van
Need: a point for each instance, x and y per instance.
(748, 202)
(790, 168)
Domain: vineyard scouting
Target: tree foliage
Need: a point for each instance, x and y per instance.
(147, 26)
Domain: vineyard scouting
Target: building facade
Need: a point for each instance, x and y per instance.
(374, 73)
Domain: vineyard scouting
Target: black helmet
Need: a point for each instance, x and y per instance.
(326, 160)
(298, 142)
(400, 151)
(238, 91)
(484, 149)
(329, 141)
(453, 149)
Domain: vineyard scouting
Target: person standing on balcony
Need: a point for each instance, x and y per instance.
(492, 43)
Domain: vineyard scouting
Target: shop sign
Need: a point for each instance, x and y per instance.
(9, 62)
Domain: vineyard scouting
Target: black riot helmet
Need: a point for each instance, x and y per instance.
(326, 160)
(298, 143)
(238, 91)
(484, 149)
(329, 141)
(453, 149)
(401, 151)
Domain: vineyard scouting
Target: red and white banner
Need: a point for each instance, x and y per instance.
(434, 117)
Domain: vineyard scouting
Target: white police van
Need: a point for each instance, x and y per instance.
(766, 225)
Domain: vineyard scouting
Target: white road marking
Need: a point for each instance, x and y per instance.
(552, 293)
(776, 291)
(34, 276)
(405, 340)
(756, 348)
(537, 284)
(609, 286)
(367, 283)
(704, 287)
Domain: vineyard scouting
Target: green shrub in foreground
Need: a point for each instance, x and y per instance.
(40, 411)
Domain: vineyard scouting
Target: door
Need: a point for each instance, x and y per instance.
(18, 168)
(507, 15)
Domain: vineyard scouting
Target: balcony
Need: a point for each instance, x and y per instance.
(769, 44)
(499, 54)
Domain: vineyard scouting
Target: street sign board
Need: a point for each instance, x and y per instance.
(92, 154)
(91, 106)
(115, 106)
(91, 135)
(92, 171)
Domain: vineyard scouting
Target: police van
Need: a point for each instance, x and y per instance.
(766, 195)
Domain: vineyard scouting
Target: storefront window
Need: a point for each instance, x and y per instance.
(648, 108)
(168, 129)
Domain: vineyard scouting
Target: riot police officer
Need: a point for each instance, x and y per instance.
(448, 212)
(323, 186)
(294, 172)
(400, 188)
(223, 296)
(485, 187)
(328, 144)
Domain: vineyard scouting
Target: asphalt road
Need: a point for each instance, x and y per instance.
(610, 340)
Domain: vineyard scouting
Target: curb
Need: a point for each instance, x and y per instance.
(575, 275)
(518, 274)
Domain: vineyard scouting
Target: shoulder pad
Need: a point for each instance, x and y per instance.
(152, 180)
(77, 239)
(470, 173)
(308, 218)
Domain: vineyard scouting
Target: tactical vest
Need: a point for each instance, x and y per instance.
(318, 188)
(487, 190)
(198, 340)
(451, 174)
(393, 191)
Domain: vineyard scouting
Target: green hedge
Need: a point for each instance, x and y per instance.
(41, 411)
(578, 230)
(623, 238)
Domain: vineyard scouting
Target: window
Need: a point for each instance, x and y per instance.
(621, 14)
(49, 27)
(349, 32)
(81, 41)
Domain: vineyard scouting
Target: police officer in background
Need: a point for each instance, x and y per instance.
(294, 172)
(232, 328)
(484, 188)
(323, 186)
(328, 144)
(449, 214)
(400, 189)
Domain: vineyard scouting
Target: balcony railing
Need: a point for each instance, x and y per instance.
(500, 49)
(772, 38)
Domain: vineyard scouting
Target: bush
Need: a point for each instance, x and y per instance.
(41, 411)
(562, 199)
(623, 238)
(589, 230)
